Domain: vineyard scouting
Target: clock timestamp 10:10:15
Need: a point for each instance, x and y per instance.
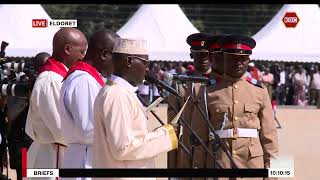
(281, 172)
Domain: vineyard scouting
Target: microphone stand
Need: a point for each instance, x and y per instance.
(214, 143)
(206, 119)
(162, 123)
(184, 124)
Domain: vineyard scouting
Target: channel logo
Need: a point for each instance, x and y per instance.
(44, 23)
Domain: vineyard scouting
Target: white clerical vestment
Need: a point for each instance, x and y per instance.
(43, 123)
(78, 93)
(121, 137)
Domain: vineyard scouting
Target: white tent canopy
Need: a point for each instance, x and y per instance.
(16, 29)
(275, 42)
(165, 27)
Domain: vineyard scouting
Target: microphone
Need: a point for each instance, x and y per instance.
(152, 79)
(185, 78)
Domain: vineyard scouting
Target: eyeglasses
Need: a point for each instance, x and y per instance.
(146, 62)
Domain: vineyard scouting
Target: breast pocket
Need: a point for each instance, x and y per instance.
(251, 110)
(255, 148)
(219, 115)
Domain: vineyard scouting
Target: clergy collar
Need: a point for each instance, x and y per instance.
(124, 83)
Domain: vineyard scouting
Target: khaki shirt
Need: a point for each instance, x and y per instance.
(179, 158)
(201, 157)
(236, 103)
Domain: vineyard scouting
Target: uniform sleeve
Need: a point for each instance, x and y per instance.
(175, 102)
(45, 100)
(78, 100)
(268, 132)
(172, 155)
(124, 144)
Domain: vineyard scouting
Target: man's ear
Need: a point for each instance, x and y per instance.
(128, 62)
(104, 54)
(67, 49)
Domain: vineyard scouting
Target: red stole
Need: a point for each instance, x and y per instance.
(54, 65)
(83, 66)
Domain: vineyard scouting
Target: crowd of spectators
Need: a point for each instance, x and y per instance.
(287, 83)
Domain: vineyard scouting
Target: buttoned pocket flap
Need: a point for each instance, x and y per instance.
(256, 150)
(248, 108)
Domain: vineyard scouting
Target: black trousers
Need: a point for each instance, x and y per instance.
(15, 154)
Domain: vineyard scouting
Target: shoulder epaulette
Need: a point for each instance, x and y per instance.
(254, 82)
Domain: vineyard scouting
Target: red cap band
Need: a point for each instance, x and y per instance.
(197, 43)
(237, 46)
(215, 46)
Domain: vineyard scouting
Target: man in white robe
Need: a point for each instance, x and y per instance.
(121, 137)
(78, 93)
(44, 121)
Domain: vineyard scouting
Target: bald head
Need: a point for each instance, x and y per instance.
(40, 59)
(67, 35)
(69, 45)
(100, 51)
(103, 39)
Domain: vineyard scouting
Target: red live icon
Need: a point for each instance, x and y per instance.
(39, 23)
(290, 19)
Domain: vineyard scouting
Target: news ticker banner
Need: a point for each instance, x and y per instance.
(281, 167)
(44, 23)
(274, 172)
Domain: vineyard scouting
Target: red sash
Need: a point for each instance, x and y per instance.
(55, 66)
(83, 66)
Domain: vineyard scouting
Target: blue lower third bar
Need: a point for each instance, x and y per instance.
(163, 172)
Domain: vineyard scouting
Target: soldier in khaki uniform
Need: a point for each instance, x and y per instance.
(213, 45)
(240, 110)
(179, 158)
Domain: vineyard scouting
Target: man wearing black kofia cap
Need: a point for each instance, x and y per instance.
(240, 111)
(202, 63)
